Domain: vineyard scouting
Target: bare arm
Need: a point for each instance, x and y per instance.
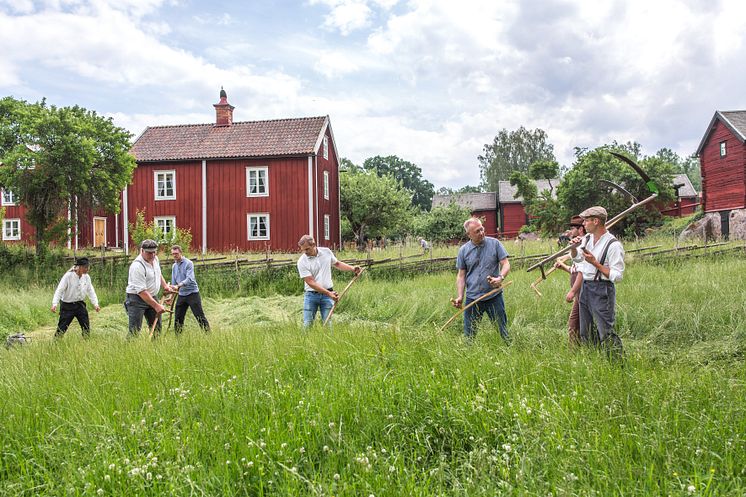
(342, 266)
(575, 290)
(460, 288)
(314, 284)
(145, 295)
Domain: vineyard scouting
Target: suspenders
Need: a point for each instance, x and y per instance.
(602, 261)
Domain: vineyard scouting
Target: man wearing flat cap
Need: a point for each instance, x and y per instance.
(70, 296)
(576, 282)
(603, 258)
(143, 284)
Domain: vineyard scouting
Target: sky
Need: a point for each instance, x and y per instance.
(431, 81)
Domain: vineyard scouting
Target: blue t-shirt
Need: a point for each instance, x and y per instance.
(480, 261)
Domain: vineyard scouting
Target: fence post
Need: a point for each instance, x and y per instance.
(238, 274)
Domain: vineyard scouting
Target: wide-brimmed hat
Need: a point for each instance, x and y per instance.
(149, 245)
(595, 211)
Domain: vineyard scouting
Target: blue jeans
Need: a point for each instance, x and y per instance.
(495, 309)
(312, 302)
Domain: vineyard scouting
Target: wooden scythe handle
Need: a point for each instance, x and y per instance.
(353, 280)
(476, 301)
(544, 276)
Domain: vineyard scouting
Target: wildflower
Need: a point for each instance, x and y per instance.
(326, 448)
(302, 450)
(100, 491)
(107, 478)
(691, 489)
(336, 476)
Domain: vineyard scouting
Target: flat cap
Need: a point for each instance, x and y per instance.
(595, 211)
(576, 221)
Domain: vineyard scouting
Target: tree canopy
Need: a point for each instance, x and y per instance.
(512, 151)
(409, 174)
(373, 205)
(55, 158)
(443, 223)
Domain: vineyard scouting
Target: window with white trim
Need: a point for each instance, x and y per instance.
(11, 229)
(326, 147)
(167, 226)
(257, 182)
(326, 185)
(165, 185)
(326, 227)
(8, 198)
(258, 226)
(722, 149)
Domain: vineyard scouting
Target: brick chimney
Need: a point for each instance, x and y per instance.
(223, 110)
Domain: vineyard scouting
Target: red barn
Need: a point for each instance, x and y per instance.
(513, 215)
(687, 198)
(253, 185)
(482, 205)
(722, 157)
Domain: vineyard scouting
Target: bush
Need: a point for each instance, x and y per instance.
(143, 230)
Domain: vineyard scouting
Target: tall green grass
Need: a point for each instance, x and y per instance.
(385, 403)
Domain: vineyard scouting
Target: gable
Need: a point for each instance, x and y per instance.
(735, 121)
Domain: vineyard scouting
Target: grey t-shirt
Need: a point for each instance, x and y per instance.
(480, 261)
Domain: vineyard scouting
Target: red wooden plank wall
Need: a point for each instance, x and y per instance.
(723, 178)
(514, 217)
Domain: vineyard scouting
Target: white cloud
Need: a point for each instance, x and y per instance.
(346, 15)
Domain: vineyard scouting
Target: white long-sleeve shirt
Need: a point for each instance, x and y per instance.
(614, 258)
(73, 288)
(144, 276)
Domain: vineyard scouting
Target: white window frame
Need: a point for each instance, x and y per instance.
(327, 227)
(9, 223)
(248, 225)
(12, 201)
(165, 219)
(257, 170)
(723, 149)
(155, 184)
(325, 150)
(326, 185)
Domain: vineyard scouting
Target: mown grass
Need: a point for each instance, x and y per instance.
(385, 403)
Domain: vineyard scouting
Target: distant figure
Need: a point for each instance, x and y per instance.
(144, 281)
(183, 280)
(482, 265)
(74, 286)
(603, 258)
(424, 245)
(315, 268)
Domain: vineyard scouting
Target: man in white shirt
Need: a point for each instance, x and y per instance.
(604, 265)
(70, 295)
(315, 268)
(143, 284)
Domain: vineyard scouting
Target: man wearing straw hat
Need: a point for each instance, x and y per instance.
(70, 295)
(603, 257)
(144, 281)
(315, 268)
(482, 265)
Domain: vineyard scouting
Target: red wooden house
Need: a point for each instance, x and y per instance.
(253, 185)
(482, 205)
(722, 158)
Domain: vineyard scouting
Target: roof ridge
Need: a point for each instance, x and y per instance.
(308, 118)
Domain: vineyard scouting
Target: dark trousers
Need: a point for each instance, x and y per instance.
(194, 302)
(495, 309)
(136, 308)
(70, 311)
(598, 304)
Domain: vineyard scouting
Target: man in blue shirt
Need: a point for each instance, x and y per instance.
(482, 265)
(182, 278)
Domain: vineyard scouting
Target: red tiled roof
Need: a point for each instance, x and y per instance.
(241, 139)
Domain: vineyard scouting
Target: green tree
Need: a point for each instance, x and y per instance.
(409, 174)
(580, 187)
(347, 165)
(374, 205)
(443, 223)
(512, 151)
(444, 190)
(58, 158)
(688, 165)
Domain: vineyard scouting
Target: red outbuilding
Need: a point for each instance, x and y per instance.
(722, 158)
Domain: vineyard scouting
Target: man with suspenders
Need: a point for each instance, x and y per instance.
(143, 284)
(604, 258)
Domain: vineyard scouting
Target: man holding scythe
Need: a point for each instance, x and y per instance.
(603, 255)
(482, 265)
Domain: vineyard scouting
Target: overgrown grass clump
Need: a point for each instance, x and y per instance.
(385, 403)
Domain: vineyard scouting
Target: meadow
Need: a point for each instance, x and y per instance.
(384, 403)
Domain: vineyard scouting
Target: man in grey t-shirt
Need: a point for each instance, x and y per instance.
(482, 265)
(315, 268)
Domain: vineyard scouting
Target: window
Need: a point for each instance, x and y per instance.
(326, 226)
(257, 182)
(8, 198)
(722, 149)
(258, 226)
(326, 185)
(167, 225)
(11, 229)
(165, 185)
(326, 147)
